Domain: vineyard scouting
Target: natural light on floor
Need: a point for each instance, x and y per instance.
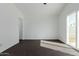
(58, 47)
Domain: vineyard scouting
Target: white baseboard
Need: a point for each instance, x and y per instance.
(7, 46)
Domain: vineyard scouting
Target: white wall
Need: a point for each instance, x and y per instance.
(20, 28)
(40, 21)
(69, 8)
(9, 31)
(40, 28)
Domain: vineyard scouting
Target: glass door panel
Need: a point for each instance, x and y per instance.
(71, 29)
(78, 29)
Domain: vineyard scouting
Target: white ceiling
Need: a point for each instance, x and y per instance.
(40, 8)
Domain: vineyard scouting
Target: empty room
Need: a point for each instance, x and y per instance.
(39, 29)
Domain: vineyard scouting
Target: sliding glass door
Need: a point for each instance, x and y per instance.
(71, 30)
(78, 29)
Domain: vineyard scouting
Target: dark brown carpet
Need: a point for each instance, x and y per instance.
(32, 48)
